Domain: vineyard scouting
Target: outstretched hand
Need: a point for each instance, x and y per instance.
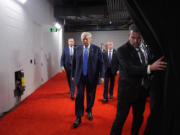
(158, 65)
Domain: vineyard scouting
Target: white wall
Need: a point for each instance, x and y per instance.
(118, 37)
(25, 35)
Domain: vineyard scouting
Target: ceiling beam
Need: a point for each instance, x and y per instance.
(80, 11)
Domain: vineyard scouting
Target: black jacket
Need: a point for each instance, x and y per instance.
(131, 73)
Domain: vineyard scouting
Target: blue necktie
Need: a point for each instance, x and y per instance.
(85, 61)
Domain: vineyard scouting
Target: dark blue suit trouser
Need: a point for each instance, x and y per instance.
(90, 96)
(70, 82)
(109, 76)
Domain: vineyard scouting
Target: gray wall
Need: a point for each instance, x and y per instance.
(24, 36)
(118, 37)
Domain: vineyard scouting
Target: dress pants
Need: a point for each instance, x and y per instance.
(70, 82)
(109, 76)
(123, 108)
(90, 96)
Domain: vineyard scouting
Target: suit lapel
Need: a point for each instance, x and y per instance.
(81, 52)
(68, 52)
(106, 54)
(133, 53)
(91, 51)
(114, 53)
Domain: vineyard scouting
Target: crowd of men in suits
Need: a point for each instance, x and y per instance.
(87, 65)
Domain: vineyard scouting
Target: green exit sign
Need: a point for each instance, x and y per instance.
(53, 29)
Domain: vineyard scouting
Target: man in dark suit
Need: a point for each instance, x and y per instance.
(131, 91)
(111, 69)
(102, 46)
(87, 68)
(66, 64)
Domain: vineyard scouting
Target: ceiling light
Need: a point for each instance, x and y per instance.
(57, 25)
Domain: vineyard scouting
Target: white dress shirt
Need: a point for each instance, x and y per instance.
(110, 52)
(71, 50)
(148, 68)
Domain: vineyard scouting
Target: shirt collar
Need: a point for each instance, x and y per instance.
(88, 46)
(70, 46)
(137, 49)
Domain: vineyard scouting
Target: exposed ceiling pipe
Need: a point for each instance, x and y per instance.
(117, 11)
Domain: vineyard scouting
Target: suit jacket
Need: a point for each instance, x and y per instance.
(131, 73)
(66, 60)
(114, 61)
(95, 64)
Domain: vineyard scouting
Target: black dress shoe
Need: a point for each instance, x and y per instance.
(105, 100)
(90, 117)
(77, 122)
(72, 97)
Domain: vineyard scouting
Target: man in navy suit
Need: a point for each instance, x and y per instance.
(111, 65)
(66, 64)
(88, 70)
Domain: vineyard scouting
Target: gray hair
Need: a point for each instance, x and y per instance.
(88, 34)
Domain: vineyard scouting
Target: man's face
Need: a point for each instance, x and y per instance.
(86, 40)
(110, 45)
(102, 46)
(134, 39)
(71, 42)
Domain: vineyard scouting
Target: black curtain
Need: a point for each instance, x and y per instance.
(158, 22)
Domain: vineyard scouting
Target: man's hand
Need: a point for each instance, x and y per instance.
(101, 80)
(63, 69)
(73, 79)
(117, 72)
(158, 65)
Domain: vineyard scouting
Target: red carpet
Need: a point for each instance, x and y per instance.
(50, 111)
